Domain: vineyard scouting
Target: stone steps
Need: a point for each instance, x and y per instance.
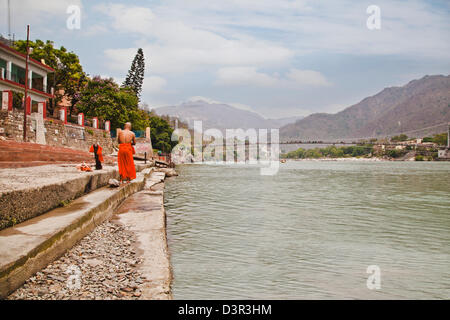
(19, 154)
(28, 192)
(29, 246)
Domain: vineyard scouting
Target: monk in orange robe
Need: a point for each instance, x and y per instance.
(125, 160)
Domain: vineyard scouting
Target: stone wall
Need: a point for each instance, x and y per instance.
(56, 132)
(11, 126)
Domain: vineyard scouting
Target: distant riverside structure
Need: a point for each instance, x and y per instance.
(444, 153)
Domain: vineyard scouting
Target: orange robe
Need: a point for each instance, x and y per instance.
(126, 162)
(99, 152)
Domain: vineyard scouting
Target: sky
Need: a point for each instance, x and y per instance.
(278, 58)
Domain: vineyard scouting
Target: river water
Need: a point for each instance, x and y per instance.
(311, 231)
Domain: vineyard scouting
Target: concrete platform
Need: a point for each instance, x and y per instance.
(29, 246)
(28, 192)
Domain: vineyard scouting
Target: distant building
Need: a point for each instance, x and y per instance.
(12, 75)
(444, 153)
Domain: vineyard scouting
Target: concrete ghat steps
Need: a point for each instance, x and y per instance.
(17, 154)
(34, 200)
(25, 164)
(30, 246)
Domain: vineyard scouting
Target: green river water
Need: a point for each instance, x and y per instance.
(311, 231)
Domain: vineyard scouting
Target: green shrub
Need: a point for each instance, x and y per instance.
(394, 153)
(17, 100)
(402, 137)
(419, 157)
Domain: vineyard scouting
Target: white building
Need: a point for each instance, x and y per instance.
(12, 77)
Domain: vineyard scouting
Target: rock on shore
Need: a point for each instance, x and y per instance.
(170, 172)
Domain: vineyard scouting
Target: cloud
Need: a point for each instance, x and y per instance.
(34, 13)
(154, 84)
(307, 78)
(279, 51)
(308, 26)
(239, 76)
(128, 18)
(95, 30)
(176, 47)
(249, 76)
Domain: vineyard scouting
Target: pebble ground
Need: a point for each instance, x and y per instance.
(103, 265)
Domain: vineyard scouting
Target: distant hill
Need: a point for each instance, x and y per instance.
(221, 116)
(419, 104)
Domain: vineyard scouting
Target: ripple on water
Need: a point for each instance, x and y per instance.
(310, 231)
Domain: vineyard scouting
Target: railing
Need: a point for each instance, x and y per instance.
(137, 133)
(164, 157)
(16, 78)
(35, 84)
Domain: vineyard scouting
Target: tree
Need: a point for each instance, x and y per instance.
(69, 74)
(401, 137)
(161, 134)
(440, 139)
(104, 99)
(17, 100)
(394, 153)
(135, 77)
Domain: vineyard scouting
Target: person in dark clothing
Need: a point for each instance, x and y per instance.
(97, 150)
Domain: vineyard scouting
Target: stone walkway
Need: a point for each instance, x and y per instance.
(36, 177)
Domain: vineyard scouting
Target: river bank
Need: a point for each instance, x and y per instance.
(125, 257)
(373, 159)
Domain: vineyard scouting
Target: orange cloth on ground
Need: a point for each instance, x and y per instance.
(99, 152)
(86, 168)
(126, 162)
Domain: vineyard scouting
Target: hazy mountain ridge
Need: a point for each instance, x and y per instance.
(221, 116)
(419, 104)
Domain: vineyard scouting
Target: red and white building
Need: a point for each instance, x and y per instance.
(12, 77)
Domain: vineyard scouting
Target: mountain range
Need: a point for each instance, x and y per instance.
(221, 116)
(421, 107)
(423, 103)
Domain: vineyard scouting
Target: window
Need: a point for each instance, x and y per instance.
(17, 74)
(37, 82)
(2, 69)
